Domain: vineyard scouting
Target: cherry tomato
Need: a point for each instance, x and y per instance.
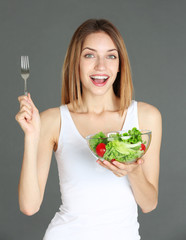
(112, 160)
(142, 147)
(100, 149)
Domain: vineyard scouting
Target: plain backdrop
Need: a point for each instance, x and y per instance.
(155, 35)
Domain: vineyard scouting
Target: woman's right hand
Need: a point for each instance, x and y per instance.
(28, 116)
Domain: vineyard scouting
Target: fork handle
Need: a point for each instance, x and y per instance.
(25, 88)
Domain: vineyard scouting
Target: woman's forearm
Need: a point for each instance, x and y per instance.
(29, 192)
(144, 192)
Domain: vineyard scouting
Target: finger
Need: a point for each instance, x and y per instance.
(26, 109)
(119, 174)
(122, 168)
(127, 166)
(25, 103)
(119, 165)
(27, 99)
(23, 97)
(101, 163)
(140, 161)
(110, 165)
(31, 102)
(25, 114)
(22, 116)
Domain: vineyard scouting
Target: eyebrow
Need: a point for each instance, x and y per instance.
(94, 50)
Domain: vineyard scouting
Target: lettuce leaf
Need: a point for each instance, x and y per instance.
(121, 152)
(98, 138)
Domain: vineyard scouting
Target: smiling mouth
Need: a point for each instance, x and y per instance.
(99, 80)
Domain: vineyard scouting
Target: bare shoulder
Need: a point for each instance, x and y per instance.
(50, 114)
(50, 124)
(148, 115)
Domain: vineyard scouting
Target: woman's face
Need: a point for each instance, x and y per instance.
(99, 63)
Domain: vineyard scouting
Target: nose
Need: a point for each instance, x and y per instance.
(100, 64)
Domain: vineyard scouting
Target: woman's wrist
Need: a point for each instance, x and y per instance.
(137, 171)
(32, 137)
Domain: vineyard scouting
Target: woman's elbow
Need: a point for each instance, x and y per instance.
(29, 211)
(149, 208)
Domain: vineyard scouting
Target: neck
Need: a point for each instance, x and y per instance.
(100, 104)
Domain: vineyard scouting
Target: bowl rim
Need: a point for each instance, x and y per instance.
(143, 132)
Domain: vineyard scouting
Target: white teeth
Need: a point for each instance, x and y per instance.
(99, 77)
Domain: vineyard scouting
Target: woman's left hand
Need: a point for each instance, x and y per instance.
(120, 169)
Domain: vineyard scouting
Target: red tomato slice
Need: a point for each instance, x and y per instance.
(100, 149)
(142, 147)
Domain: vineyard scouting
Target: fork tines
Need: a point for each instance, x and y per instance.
(24, 63)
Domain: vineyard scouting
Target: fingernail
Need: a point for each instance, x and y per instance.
(106, 162)
(114, 162)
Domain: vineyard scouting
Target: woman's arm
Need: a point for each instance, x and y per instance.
(144, 174)
(40, 138)
(144, 180)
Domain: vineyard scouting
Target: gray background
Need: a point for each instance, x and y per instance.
(155, 35)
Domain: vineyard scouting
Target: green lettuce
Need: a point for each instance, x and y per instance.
(122, 151)
(98, 138)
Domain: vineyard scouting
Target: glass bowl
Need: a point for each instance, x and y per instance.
(122, 146)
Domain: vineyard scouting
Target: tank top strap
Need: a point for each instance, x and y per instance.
(131, 117)
(66, 127)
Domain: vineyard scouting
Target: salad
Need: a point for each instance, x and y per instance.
(123, 147)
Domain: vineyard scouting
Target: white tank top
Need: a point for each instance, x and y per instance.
(96, 204)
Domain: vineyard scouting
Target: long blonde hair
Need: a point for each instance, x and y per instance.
(71, 85)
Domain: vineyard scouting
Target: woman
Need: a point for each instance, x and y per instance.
(99, 199)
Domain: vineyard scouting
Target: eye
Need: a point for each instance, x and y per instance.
(111, 57)
(89, 55)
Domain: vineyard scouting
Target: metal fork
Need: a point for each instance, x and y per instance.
(25, 71)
